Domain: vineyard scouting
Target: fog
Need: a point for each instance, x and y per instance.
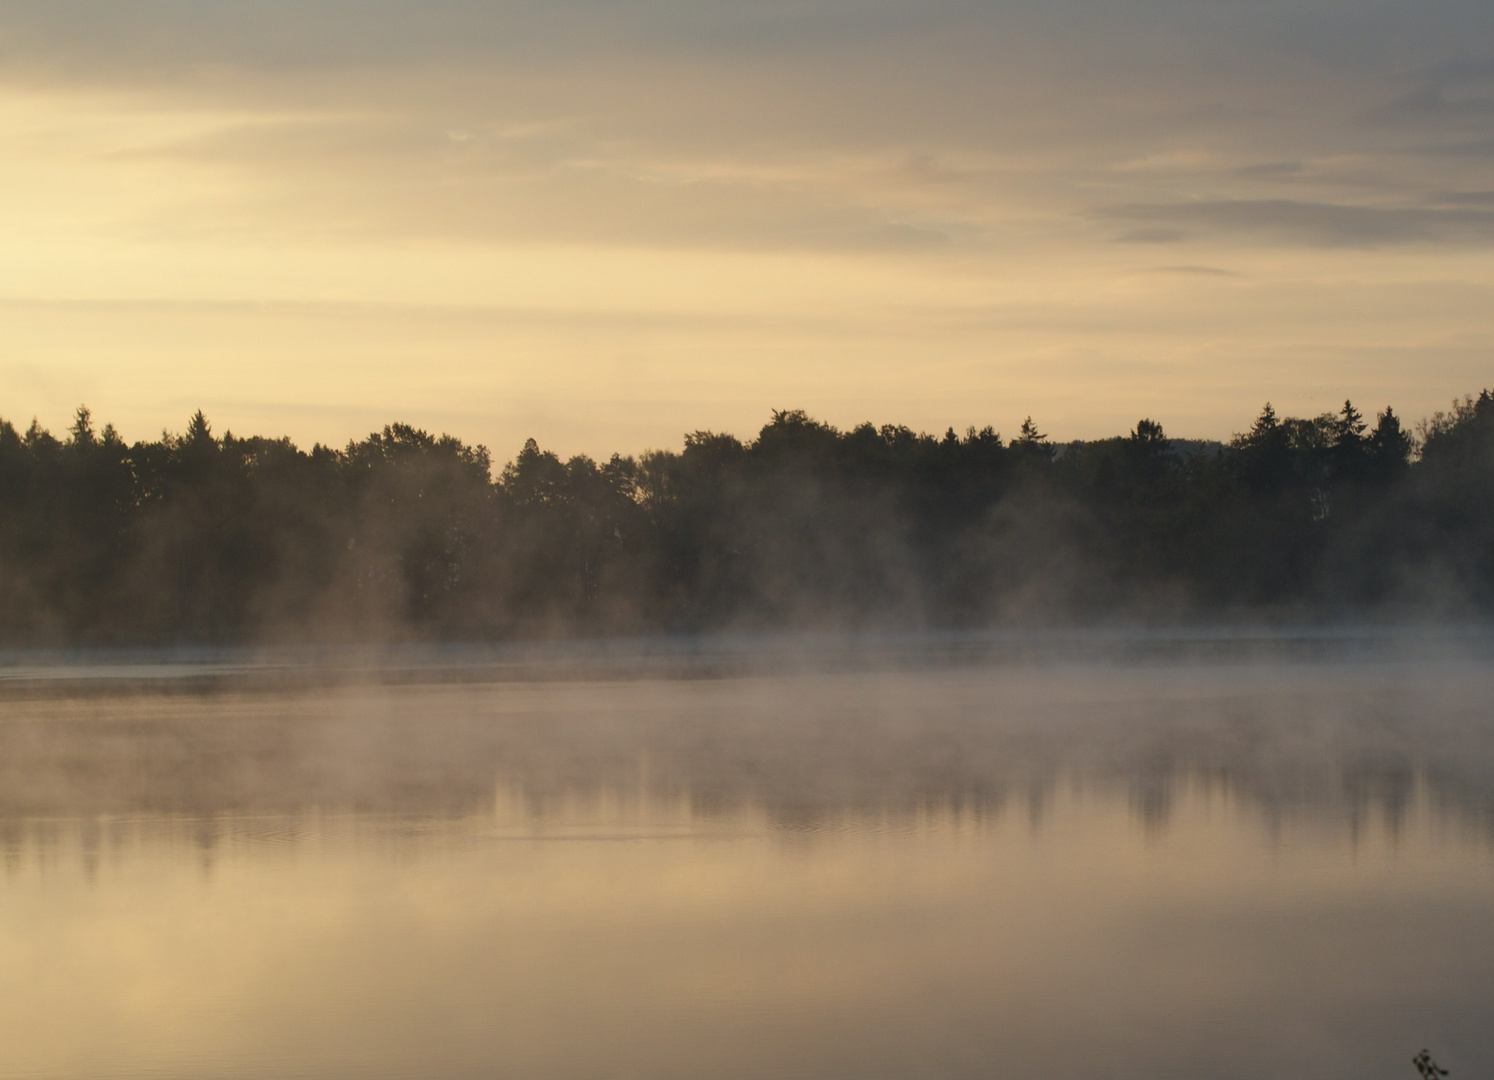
(1323, 725)
(832, 857)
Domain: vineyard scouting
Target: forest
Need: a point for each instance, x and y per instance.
(200, 538)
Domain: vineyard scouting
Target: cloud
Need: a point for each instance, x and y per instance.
(1194, 271)
(842, 125)
(1273, 169)
(1155, 234)
(1311, 223)
(133, 36)
(1461, 88)
(407, 176)
(1472, 148)
(1467, 198)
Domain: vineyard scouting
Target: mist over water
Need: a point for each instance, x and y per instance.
(1080, 858)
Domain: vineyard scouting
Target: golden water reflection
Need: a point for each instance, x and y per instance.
(247, 888)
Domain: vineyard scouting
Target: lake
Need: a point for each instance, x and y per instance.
(1225, 862)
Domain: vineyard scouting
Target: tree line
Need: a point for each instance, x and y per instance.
(201, 538)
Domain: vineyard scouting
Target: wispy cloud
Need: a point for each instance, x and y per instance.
(1310, 223)
(1458, 88)
(1193, 271)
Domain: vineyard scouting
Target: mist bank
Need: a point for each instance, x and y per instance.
(1333, 741)
(406, 536)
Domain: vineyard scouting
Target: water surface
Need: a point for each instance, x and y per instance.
(1073, 869)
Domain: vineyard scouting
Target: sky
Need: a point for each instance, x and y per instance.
(604, 223)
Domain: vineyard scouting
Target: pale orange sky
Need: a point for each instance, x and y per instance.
(605, 224)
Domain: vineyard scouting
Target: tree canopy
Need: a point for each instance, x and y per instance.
(406, 534)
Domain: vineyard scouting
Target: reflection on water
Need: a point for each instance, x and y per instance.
(1077, 870)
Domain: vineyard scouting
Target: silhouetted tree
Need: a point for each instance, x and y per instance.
(406, 533)
(1388, 448)
(1031, 444)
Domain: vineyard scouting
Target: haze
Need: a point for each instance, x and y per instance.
(603, 224)
(1256, 863)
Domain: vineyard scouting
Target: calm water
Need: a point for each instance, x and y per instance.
(1248, 869)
